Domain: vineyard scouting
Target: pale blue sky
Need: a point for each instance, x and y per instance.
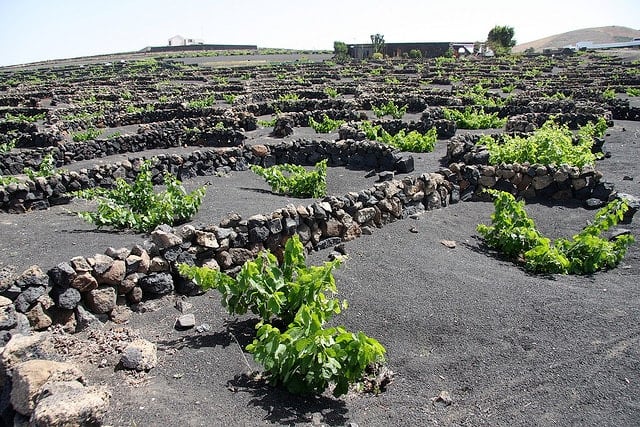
(33, 30)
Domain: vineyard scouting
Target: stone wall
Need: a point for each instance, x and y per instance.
(42, 192)
(215, 131)
(103, 286)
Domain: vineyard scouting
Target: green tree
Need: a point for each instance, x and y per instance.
(500, 39)
(377, 40)
(340, 50)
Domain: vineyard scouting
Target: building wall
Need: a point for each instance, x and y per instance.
(428, 50)
(181, 48)
(177, 41)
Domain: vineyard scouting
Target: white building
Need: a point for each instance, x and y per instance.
(178, 40)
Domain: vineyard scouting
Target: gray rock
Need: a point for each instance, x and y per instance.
(120, 253)
(85, 319)
(364, 215)
(327, 243)
(386, 176)
(62, 274)
(38, 319)
(258, 234)
(186, 321)
(240, 255)
(33, 276)
(156, 283)
(8, 318)
(164, 239)
(28, 297)
(120, 314)
(72, 406)
(68, 298)
(114, 274)
(100, 263)
(404, 165)
(80, 264)
(594, 203)
(140, 355)
(7, 276)
(206, 239)
(84, 282)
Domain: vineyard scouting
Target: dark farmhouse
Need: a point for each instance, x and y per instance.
(427, 49)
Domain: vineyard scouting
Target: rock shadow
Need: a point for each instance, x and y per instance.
(240, 332)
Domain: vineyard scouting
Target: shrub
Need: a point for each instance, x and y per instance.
(474, 118)
(515, 234)
(478, 95)
(87, 135)
(390, 108)
(136, 206)
(415, 54)
(609, 94)
(201, 103)
(23, 118)
(46, 168)
(340, 51)
(377, 56)
(508, 88)
(551, 144)
(304, 356)
(267, 123)
(326, 125)
(632, 91)
(289, 97)
(593, 130)
(8, 146)
(298, 182)
(331, 92)
(6, 180)
(413, 141)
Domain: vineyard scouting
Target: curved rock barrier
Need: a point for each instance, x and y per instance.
(76, 292)
(44, 192)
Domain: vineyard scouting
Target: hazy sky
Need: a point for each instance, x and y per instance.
(33, 30)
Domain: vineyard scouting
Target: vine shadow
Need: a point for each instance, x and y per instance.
(481, 248)
(280, 406)
(284, 408)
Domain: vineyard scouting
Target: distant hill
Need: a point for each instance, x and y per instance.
(597, 35)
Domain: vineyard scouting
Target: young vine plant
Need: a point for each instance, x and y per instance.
(472, 118)
(515, 234)
(136, 206)
(303, 355)
(413, 141)
(295, 180)
(550, 144)
(326, 125)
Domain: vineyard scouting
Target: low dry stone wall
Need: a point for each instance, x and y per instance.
(531, 121)
(42, 192)
(84, 289)
(469, 163)
(465, 148)
(192, 132)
